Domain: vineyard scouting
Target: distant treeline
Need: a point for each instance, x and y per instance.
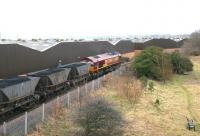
(16, 59)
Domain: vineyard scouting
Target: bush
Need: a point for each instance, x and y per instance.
(153, 63)
(180, 64)
(97, 117)
(151, 86)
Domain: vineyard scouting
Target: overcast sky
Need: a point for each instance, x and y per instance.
(69, 18)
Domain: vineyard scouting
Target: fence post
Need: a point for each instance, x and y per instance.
(57, 101)
(112, 74)
(4, 129)
(86, 88)
(68, 101)
(43, 112)
(25, 123)
(98, 83)
(78, 94)
(92, 85)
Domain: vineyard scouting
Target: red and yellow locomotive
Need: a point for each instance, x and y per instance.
(103, 63)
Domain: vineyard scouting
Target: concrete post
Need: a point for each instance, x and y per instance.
(78, 94)
(43, 112)
(86, 88)
(4, 129)
(98, 83)
(68, 98)
(92, 85)
(120, 72)
(25, 131)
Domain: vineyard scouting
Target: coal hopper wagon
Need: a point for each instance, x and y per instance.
(79, 73)
(16, 92)
(51, 81)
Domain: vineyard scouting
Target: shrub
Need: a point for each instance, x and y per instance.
(97, 117)
(157, 102)
(151, 86)
(180, 64)
(153, 63)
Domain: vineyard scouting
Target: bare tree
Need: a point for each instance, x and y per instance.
(192, 45)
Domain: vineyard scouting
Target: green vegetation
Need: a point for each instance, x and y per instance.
(151, 86)
(153, 63)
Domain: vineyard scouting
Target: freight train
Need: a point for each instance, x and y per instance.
(26, 90)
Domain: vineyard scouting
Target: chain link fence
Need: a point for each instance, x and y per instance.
(26, 123)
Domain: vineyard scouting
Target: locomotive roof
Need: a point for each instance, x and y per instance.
(13, 81)
(46, 72)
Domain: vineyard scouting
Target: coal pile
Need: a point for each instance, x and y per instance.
(16, 59)
(162, 43)
(73, 51)
(124, 46)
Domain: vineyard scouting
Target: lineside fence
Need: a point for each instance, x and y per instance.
(26, 123)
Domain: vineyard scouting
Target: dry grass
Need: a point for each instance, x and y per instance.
(127, 87)
(196, 62)
(179, 99)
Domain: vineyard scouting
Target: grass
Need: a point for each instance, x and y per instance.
(179, 98)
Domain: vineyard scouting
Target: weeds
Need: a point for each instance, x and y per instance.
(128, 88)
